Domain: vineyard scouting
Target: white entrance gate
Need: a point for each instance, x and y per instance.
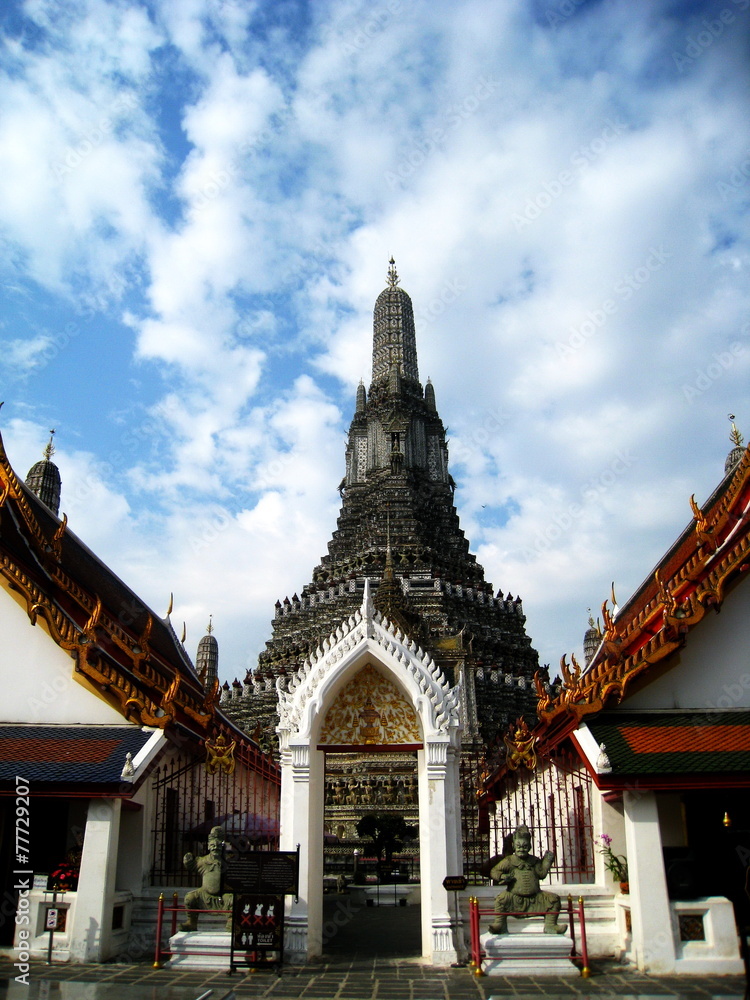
(367, 640)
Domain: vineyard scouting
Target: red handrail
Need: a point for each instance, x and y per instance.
(585, 971)
(175, 901)
(572, 925)
(159, 919)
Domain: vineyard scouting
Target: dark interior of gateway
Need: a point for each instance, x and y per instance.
(716, 861)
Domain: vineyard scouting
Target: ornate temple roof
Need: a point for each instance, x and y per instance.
(692, 579)
(69, 755)
(710, 556)
(124, 652)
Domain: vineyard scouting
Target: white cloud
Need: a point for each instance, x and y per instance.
(567, 208)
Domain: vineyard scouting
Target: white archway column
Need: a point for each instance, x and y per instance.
(440, 848)
(302, 777)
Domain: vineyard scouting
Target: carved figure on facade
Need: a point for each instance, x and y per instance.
(520, 747)
(220, 755)
(521, 873)
(210, 896)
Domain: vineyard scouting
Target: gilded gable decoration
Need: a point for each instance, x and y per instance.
(520, 747)
(370, 710)
(220, 755)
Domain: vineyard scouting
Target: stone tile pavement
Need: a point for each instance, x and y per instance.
(369, 956)
(354, 979)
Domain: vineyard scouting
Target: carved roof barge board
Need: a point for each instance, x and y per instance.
(130, 656)
(710, 557)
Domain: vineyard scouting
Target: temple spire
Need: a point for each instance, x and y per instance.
(44, 480)
(394, 339)
(207, 658)
(393, 278)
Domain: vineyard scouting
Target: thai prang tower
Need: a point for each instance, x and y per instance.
(398, 527)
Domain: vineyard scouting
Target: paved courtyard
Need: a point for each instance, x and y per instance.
(371, 954)
(355, 979)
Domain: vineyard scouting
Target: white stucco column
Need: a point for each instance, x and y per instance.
(653, 938)
(439, 847)
(302, 782)
(92, 924)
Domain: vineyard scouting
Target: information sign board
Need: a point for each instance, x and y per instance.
(455, 883)
(262, 873)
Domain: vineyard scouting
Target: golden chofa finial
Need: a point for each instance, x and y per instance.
(734, 435)
(210, 626)
(393, 278)
(49, 451)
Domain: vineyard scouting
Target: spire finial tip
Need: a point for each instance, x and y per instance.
(49, 451)
(393, 278)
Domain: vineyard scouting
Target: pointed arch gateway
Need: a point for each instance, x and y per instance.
(369, 641)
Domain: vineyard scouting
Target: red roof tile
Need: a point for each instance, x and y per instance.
(48, 750)
(687, 739)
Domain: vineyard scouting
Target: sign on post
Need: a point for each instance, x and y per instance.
(455, 883)
(259, 881)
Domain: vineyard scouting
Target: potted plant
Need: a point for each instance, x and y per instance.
(616, 864)
(64, 877)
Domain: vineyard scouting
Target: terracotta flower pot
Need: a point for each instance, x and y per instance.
(625, 888)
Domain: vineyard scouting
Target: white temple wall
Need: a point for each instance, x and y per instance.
(712, 671)
(43, 688)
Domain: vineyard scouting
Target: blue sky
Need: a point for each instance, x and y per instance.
(198, 203)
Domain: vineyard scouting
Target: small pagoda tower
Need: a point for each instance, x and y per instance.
(44, 480)
(207, 657)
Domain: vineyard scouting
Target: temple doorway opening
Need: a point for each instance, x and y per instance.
(371, 872)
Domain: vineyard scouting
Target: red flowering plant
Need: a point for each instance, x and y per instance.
(617, 864)
(65, 876)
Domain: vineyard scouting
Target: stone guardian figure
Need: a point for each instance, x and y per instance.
(209, 896)
(521, 873)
